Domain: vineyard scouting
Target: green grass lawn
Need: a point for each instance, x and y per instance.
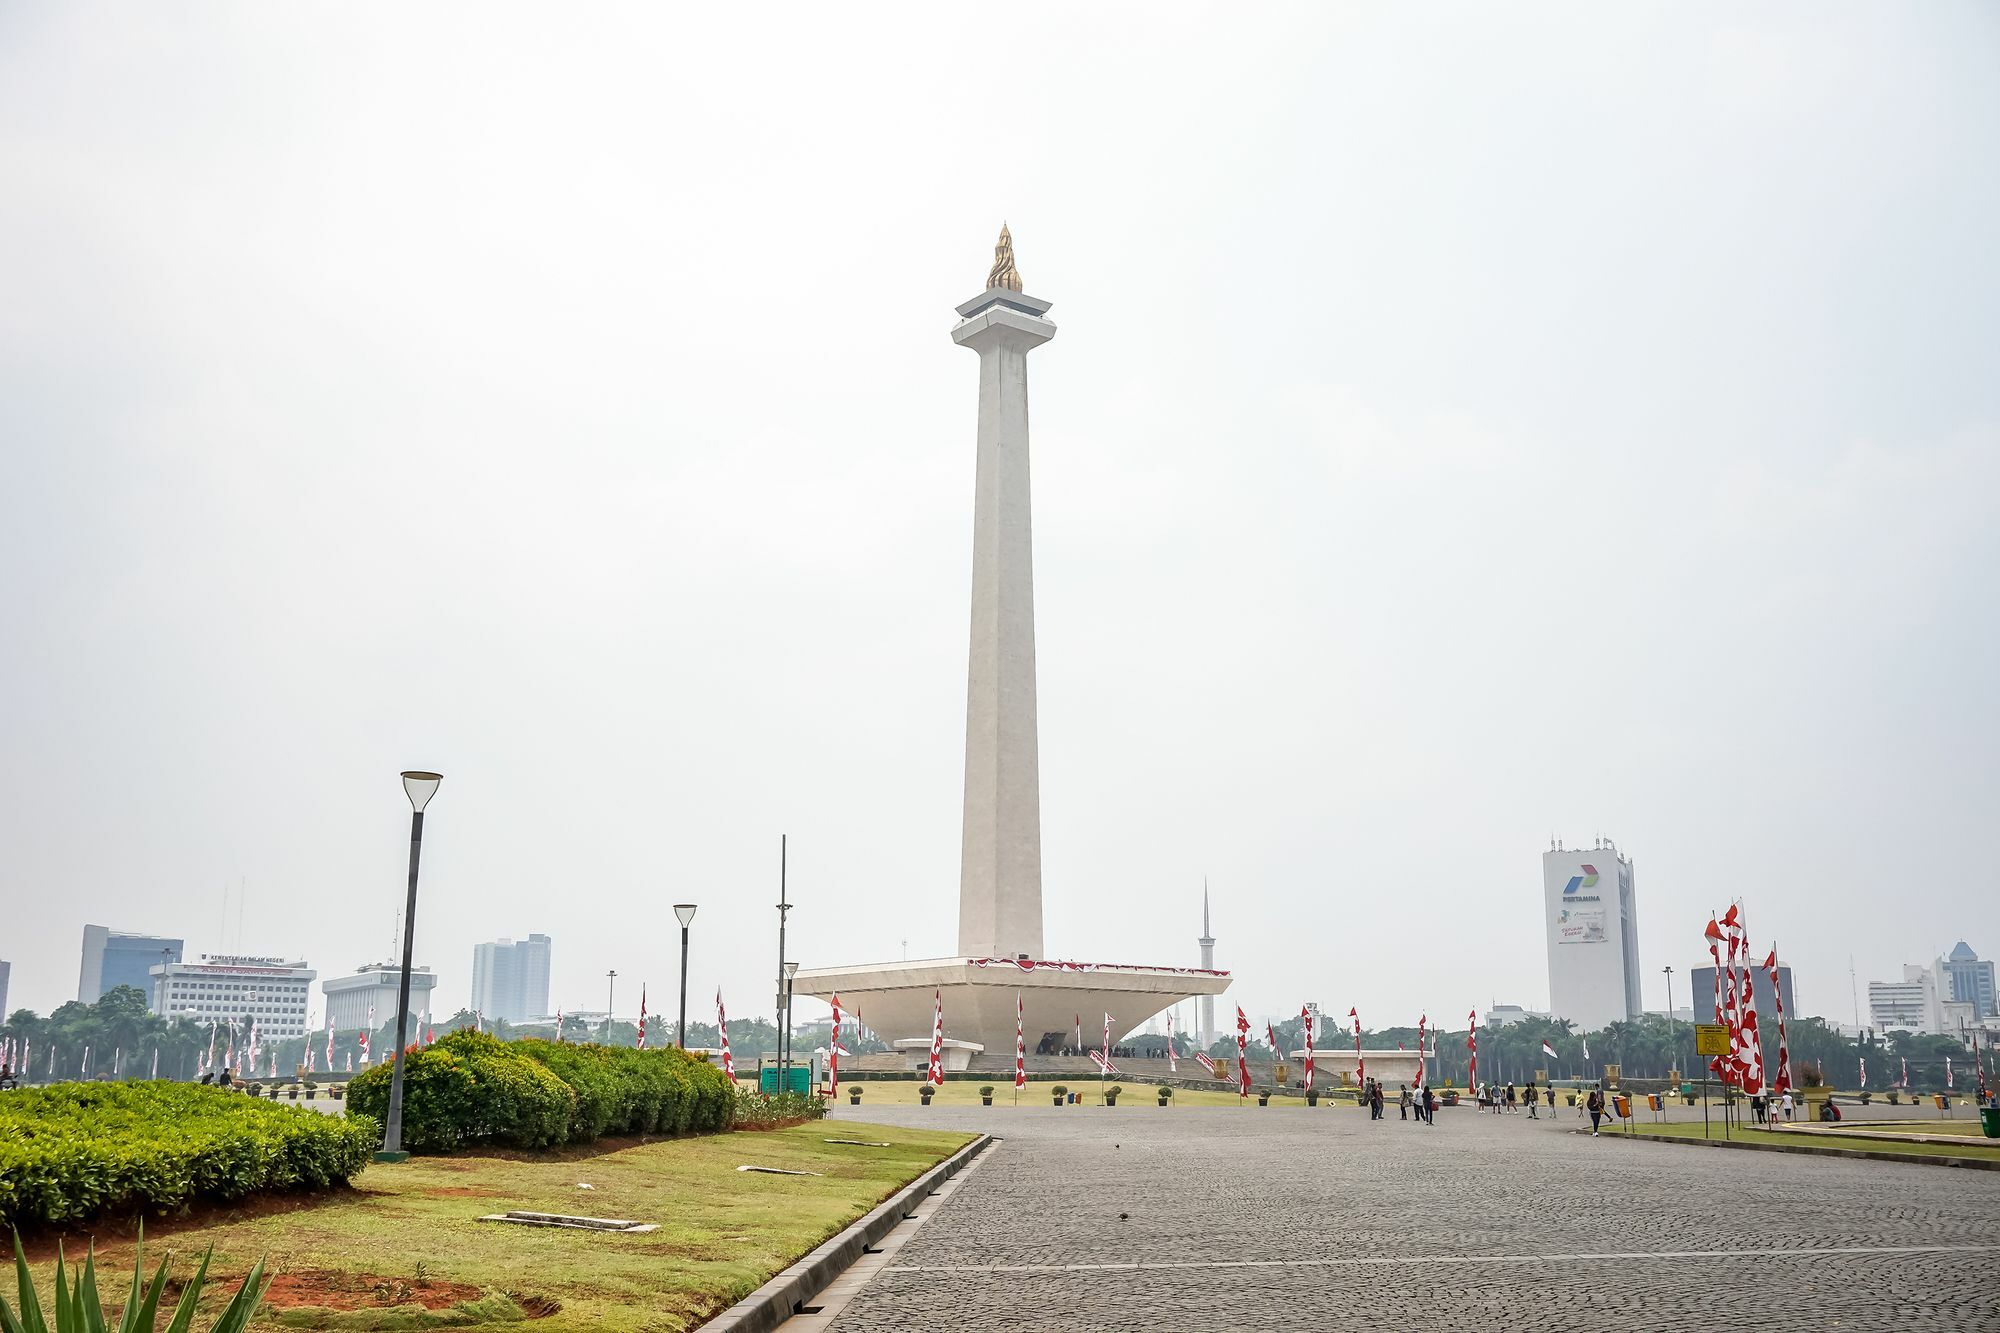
(1692, 1131)
(411, 1230)
(1911, 1126)
(1138, 1096)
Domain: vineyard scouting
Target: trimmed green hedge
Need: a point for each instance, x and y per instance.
(72, 1151)
(471, 1088)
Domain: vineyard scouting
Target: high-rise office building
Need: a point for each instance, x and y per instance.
(1966, 978)
(228, 987)
(510, 979)
(1911, 1005)
(373, 990)
(1593, 935)
(6, 972)
(1702, 979)
(113, 958)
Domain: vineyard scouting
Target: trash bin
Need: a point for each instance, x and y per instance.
(1623, 1106)
(1989, 1121)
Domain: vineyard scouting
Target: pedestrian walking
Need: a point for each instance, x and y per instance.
(1510, 1098)
(1430, 1103)
(1595, 1105)
(1786, 1104)
(1550, 1093)
(1528, 1096)
(1403, 1099)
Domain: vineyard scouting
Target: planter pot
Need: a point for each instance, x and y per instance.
(1263, 1099)
(986, 1101)
(1111, 1101)
(1057, 1101)
(1688, 1100)
(1312, 1099)
(291, 1094)
(854, 1098)
(1570, 1097)
(311, 1093)
(1165, 1100)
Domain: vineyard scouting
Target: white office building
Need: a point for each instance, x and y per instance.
(1592, 920)
(372, 990)
(1909, 1005)
(232, 987)
(510, 979)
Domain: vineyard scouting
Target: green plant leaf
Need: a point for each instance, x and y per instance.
(89, 1307)
(191, 1296)
(30, 1320)
(236, 1316)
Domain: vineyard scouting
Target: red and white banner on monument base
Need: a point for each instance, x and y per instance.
(1030, 965)
(1104, 1066)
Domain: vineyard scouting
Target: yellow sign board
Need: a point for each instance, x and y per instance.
(1711, 1039)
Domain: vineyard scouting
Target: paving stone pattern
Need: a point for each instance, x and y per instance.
(1267, 1217)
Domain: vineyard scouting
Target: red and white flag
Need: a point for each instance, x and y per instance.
(1906, 1072)
(1242, 1053)
(1472, 1047)
(1864, 1071)
(1173, 1056)
(1718, 1065)
(1750, 1056)
(642, 1016)
(1021, 1045)
(935, 1075)
(1360, 1065)
(1271, 1039)
(1947, 1072)
(833, 1050)
(1548, 1050)
(329, 1041)
(559, 1018)
(1107, 1037)
(1206, 1061)
(1306, 1016)
(1781, 1081)
(365, 1047)
(431, 1033)
(721, 1033)
(1104, 1065)
(1079, 1031)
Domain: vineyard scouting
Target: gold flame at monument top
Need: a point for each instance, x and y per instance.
(1003, 274)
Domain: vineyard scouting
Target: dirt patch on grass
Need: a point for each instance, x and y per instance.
(331, 1289)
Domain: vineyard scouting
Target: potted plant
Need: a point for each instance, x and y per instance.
(1060, 1093)
(1166, 1094)
(926, 1091)
(1312, 1096)
(1570, 1098)
(1263, 1096)
(336, 1091)
(1894, 1099)
(986, 1095)
(1866, 1096)
(292, 1093)
(1111, 1095)
(854, 1094)
(312, 1089)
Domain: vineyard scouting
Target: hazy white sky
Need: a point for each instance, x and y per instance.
(1465, 426)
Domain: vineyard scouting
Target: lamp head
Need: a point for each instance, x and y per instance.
(791, 970)
(421, 787)
(685, 911)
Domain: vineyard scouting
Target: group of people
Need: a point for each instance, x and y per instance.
(1423, 1101)
(1502, 1100)
(1767, 1109)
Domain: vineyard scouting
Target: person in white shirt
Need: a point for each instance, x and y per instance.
(1787, 1104)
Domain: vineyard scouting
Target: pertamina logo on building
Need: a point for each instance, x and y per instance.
(1578, 924)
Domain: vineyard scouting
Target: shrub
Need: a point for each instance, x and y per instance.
(471, 1087)
(72, 1151)
(986, 1090)
(775, 1110)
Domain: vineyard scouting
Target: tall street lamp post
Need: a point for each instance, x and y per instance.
(610, 989)
(420, 787)
(1673, 1043)
(685, 911)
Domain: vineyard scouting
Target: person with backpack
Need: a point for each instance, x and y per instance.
(1595, 1105)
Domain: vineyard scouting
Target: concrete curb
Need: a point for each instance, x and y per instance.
(1814, 1150)
(780, 1298)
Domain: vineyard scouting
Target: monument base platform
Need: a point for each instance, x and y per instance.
(894, 1000)
(1335, 1068)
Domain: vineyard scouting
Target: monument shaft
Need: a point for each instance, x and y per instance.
(1000, 868)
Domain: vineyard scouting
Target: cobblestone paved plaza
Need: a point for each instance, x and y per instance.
(1208, 1219)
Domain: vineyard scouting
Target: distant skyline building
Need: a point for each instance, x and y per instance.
(348, 999)
(1909, 1005)
(510, 979)
(6, 972)
(230, 987)
(1500, 1015)
(113, 958)
(1702, 979)
(1592, 920)
(1966, 978)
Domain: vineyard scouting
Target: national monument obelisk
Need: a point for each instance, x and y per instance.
(1000, 949)
(1000, 861)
